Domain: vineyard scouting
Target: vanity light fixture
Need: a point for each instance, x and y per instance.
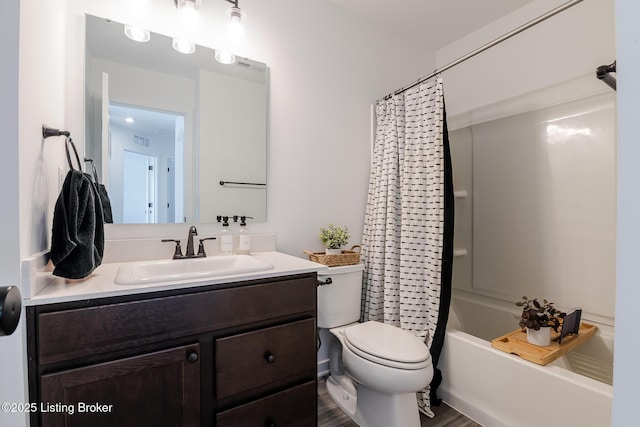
(235, 30)
(184, 46)
(188, 17)
(224, 57)
(235, 26)
(137, 34)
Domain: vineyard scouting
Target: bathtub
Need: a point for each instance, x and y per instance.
(500, 389)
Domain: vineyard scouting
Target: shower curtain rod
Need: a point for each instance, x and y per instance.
(491, 44)
(603, 72)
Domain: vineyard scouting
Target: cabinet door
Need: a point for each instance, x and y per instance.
(154, 389)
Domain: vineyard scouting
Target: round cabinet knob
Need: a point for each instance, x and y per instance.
(270, 357)
(192, 357)
(270, 423)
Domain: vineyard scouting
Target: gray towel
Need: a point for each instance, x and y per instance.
(77, 240)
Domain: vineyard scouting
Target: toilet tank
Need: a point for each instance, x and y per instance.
(339, 302)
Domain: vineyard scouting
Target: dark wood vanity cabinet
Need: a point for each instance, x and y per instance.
(239, 354)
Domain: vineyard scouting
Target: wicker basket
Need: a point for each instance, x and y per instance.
(349, 257)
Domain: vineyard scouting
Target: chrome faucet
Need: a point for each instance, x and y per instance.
(190, 252)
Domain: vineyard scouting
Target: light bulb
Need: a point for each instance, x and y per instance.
(224, 57)
(137, 34)
(184, 46)
(189, 12)
(235, 28)
(191, 4)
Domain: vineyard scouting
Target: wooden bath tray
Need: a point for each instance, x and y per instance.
(516, 343)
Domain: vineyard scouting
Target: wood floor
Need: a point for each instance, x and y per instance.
(329, 415)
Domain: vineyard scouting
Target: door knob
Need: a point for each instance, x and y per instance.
(192, 357)
(270, 357)
(10, 309)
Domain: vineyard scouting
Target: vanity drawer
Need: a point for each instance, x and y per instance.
(76, 333)
(295, 407)
(267, 356)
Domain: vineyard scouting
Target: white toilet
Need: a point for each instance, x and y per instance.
(376, 369)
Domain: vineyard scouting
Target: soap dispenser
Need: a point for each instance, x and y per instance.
(226, 238)
(242, 238)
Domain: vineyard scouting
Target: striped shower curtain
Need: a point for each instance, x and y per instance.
(408, 227)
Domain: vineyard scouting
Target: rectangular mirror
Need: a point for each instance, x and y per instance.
(184, 136)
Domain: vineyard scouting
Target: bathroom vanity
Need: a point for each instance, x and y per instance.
(218, 353)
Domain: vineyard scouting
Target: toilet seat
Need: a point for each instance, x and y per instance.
(387, 345)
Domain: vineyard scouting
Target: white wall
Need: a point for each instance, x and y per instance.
(43, 79)
(568, 45)
(36, 97)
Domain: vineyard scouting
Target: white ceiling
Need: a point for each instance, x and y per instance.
(436, 23)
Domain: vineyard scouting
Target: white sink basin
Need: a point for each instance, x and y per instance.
(137, 273)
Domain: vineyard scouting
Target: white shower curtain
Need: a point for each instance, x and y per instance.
(408, 227)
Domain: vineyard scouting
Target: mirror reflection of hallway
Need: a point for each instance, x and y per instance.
(145, 178)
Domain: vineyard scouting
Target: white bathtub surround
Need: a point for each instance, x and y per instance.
(407, 276)
(540, 216)
(534, 165)
(487, 319)
(473, 367)
(498, 389)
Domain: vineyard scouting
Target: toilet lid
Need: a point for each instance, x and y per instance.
(386, 343)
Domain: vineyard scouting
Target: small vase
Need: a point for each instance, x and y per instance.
(328, 251)
(541, 337)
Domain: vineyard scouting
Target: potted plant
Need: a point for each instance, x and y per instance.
(538, 319)
(333, 238)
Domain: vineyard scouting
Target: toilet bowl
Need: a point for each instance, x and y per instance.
(376, 369)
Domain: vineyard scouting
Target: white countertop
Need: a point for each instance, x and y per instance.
(101, 284)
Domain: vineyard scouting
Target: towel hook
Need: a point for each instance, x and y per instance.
(47, 132)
